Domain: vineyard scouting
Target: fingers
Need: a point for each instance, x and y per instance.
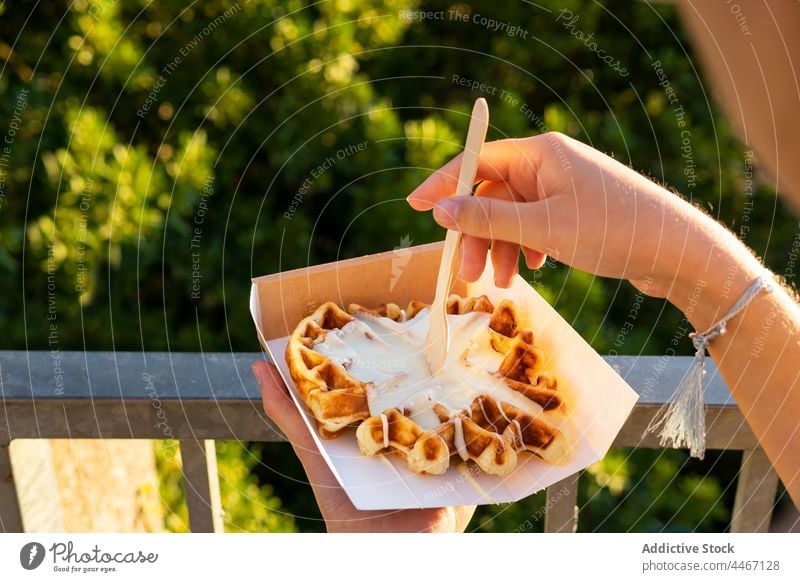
(279, 407)
(505, 255)
(473, 257)
(533, 258)
(505, 260)
(499, 166)
(473, 249)
(497, 161)
(526, 224)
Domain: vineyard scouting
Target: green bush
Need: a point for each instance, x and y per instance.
(249, 506)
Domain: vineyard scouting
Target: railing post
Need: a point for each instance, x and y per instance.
(10, 515)
(561, 509)
(201, 484)
(755, 493)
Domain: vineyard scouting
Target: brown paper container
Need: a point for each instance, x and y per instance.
(599, 400)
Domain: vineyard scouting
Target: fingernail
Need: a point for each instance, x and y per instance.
(465, 275)
(507, 283)
(445, 212)
(528, 262)
(417, 203)
(503, 280)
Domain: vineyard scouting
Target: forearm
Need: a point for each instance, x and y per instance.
(758, 356)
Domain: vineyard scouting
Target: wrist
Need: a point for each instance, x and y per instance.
(717, 272)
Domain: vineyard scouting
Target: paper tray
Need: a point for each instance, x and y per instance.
(599, 399)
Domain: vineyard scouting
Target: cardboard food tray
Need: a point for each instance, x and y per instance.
(599, 400)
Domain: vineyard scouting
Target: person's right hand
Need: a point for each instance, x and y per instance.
(551, 194)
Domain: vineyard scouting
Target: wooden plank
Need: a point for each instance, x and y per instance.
(755, 493)
(201, 484)
(10, 516)
(139, 419)
(40, 501)
(108, 485)
(561, 509)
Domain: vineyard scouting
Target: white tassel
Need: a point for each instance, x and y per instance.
(683, 421)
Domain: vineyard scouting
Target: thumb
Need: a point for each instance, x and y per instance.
(523, 223)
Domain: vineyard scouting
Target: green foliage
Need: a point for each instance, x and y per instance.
(166, 146)
(249, 506)
(646, 491)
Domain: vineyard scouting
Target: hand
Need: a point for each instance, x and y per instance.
(551, 194)
(340, 515)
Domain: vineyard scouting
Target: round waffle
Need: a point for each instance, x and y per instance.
(491, 401)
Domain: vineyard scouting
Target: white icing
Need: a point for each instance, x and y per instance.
(390, 355)
(519, 432)
(502, 412)
(458, 438)
(385, 426)
(420, 407)
(371, 396)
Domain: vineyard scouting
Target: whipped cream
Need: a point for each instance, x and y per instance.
(390, 356)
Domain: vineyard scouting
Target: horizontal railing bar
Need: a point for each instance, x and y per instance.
(214, 396)
(130, 376)
(222, 420)
(655, 378)
(127, 375)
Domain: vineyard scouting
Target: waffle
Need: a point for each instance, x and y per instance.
(492, 401)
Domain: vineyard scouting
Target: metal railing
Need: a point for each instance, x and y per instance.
(196, 398)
